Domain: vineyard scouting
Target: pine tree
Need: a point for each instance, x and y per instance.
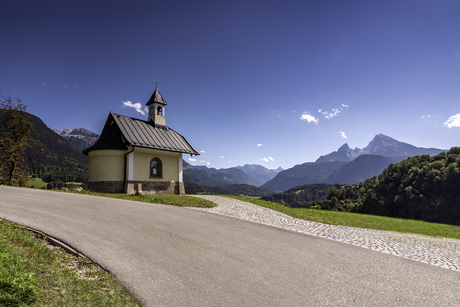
(15, 128)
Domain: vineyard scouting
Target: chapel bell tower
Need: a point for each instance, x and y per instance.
(156, 106)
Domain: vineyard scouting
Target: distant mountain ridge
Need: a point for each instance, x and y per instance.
(252, 174)
(301, 174)
(382, 145)
(357, 164)
(80, 138)
(259, 172)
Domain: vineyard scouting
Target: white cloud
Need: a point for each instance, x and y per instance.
(202, 161)
(64, 86)
(136, 106)
(334, 112)
(192, 160)
(208, 163)
(453, 121)
(229, 161)
(342, 134)
(202, 151)
(426, 116)
(222, 157)
(258, 145)
(309, 118)
(267, 159)
(44, 84)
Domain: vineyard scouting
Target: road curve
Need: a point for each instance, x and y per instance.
(172, 256)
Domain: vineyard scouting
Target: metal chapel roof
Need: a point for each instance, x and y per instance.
(156, 97)
(122, 131)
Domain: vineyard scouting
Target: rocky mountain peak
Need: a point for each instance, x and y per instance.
(79, 138)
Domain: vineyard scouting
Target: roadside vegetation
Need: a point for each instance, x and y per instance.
(361, 220)
(35, 274)
(165, 199)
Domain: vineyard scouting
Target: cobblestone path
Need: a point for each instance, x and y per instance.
(440, 252)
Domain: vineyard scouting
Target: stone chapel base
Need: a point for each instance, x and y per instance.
(141, 187)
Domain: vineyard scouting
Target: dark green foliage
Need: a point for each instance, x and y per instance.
(196, 188)
(246, 189)
(422, 187)
(302, 196)
(15, 130)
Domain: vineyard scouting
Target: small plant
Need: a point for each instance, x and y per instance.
(16, 284)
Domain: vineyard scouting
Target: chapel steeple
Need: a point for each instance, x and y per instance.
(156, 106)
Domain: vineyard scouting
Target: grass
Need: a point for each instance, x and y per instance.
(36, 183)
(32, 274)
(166, 199)
(362, 220)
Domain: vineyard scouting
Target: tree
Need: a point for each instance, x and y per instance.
(15, 128)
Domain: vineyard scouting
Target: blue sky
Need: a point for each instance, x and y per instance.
(276, 83)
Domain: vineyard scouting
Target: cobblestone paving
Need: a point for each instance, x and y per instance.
(441, 252)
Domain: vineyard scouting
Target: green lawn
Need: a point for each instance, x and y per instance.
(166, 199)
(362, 220)
(36, 183)
(31, 274)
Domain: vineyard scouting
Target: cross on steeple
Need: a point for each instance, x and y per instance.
(156, 106)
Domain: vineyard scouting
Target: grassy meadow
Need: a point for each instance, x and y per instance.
(362, 220)
(33, 274)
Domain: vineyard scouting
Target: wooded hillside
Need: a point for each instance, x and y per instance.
(421, 187)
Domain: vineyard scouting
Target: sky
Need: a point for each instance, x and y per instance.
(275, 83)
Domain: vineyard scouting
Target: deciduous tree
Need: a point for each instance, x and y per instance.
(15, 128)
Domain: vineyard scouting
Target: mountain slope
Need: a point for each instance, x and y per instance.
(202, 177)
(59, 158)
(228, 174)
(307, 173)
(259, 173)
(80, 138)
(362, 168)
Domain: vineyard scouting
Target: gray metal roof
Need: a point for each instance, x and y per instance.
(156, 97)
(140, 133)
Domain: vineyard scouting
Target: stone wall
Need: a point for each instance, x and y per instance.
(155, 187)
(107, 186)
(133, 187)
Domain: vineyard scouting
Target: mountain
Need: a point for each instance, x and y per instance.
(229, 175)
(356, 164)
(259, 173)
(80, 138)
(381, 145)
(362, 168)
(201, 179)
(307, 173)
(60, 160)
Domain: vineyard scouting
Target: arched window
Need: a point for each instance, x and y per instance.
(160, 111)
(156, 168)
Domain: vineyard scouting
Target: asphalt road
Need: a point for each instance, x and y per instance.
(172, 256)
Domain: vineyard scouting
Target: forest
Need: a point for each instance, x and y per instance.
(303, 196)
(420, 188)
